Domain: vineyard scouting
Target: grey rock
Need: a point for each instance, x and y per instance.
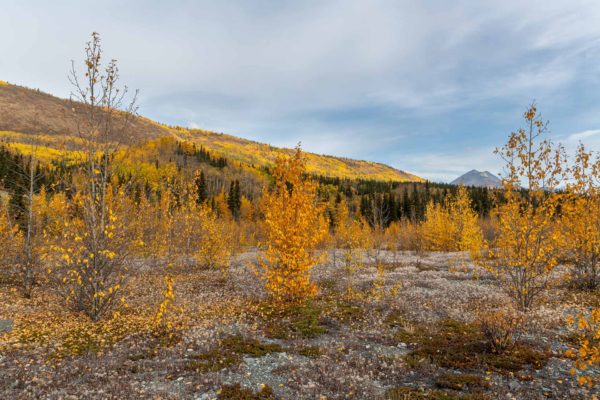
(6, 325)
(207, 396)
(514, 385)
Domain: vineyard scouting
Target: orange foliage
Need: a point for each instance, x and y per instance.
(294, 226)
(580, 220)
(453, 226)
(587, 330)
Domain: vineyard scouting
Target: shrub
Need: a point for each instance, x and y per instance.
(527, 246)
(501, 327)
(163, 326)
(586, 329)
(88, 261)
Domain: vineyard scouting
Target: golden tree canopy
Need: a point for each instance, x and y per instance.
(294, 226)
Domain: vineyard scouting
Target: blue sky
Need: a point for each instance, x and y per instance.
(430, 87)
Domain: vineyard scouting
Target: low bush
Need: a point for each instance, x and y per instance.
(501, 327)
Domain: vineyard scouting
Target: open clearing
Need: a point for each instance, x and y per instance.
(406, 332)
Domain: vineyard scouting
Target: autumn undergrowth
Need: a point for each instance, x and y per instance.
(58, 336)
(229, 352)
(462, 346)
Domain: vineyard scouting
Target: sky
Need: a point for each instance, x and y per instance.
(429, 87)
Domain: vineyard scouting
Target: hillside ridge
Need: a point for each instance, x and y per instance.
(31, 111)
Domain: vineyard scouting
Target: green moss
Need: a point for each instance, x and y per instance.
(143, 355)
(251, 347)
(229, 353)
(7, 279)
(347, 311)
(306, 322)
(213, 360)
(407, 393)
(395, 319)
(422, 267)
(237, 392)
(328, 284)
(454, 345)
(461, 381)
(167, 339)
(518, 357)
(298, 320)
(414, 361)
(462, 346)
(276, 330)
(409, 333)
(404, 330)
(310, 351)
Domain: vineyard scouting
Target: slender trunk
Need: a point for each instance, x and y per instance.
(28, 280)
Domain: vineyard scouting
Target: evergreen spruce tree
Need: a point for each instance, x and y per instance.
(238, 197)
(201, 188)
(234, 200)
(16, 203)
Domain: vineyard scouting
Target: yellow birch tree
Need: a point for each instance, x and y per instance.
(294, 226)
(581, 220)
(527, 247)
(581, 228)
(452, 226)
(91, 262)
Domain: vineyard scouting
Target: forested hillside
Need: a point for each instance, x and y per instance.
(51, 121)
(152, 156)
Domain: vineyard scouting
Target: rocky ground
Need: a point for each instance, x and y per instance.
(405, 330)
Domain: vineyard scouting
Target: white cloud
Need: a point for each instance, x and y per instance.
(447, 166)
(273, 71)
(589, 138)
(580, 136)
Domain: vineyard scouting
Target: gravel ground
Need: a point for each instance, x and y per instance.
(360, 358)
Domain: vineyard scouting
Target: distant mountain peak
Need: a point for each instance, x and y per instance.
(478, 178)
